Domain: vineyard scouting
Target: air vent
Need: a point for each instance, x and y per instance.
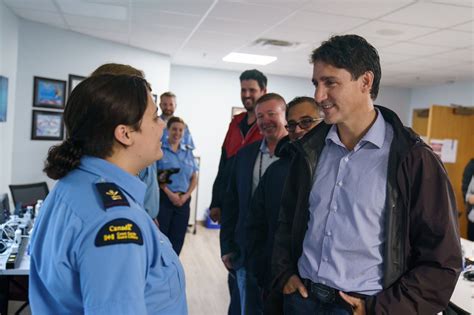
(276, 44)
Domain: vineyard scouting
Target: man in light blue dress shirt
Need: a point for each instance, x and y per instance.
(368, 222)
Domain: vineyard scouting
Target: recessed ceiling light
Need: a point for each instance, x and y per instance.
(249, 59)
(389, 32)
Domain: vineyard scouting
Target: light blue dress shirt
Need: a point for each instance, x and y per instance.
(344, 243)
(182, 159)
(262, 162)
(152, 193)
(71, 274)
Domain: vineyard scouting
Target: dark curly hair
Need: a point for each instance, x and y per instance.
(352, 53)
(95, 108)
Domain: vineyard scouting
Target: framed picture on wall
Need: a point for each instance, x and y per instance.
(49, 92)
(155, 98)
(47, 125)
(3, 98)
(73, 81)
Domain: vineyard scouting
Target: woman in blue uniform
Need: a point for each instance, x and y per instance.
(176, 195)
(94, 250)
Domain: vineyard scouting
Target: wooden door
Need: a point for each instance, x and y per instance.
(446, 122)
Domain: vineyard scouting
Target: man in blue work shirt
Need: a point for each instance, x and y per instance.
(368, 221)
(168, 107)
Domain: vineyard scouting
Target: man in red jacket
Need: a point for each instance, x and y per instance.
(242, 131)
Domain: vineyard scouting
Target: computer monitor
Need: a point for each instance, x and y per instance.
(4, 207)
(28, 194)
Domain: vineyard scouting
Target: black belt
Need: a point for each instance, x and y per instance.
(324, 294)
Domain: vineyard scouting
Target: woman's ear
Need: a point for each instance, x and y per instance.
(123, 135)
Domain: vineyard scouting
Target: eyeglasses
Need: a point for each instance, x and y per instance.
(304, 123)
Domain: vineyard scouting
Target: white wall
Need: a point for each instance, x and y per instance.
(397, 99)
(54, 53)
(205, 98)
(460, 93)
(9, 25)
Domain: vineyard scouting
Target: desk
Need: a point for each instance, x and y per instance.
(6, 279)
(463, 295)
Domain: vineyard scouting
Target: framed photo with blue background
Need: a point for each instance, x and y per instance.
(49, 93)
(47, 125)
(73, 81)
(3, 98)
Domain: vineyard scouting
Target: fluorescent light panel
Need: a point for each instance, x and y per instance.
(249, 59)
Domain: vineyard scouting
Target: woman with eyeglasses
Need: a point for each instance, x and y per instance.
(175, 194)
(302, 115)
(94, 249)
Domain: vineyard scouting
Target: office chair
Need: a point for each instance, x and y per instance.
(28, 194)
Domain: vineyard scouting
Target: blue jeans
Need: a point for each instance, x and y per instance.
(250, 294)
(295, 304)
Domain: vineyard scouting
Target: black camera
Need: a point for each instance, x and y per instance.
(164, 175)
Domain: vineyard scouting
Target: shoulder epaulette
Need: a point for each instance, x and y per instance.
(111, 195)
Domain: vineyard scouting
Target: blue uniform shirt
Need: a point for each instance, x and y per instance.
(187, 138)
(182, 159)
(78, 268)
(152, 194)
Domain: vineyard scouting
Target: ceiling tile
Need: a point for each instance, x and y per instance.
(458, 54)
(75, 21)
(97, 10)
(195, 7)
(261, 14)
(467, 27)
(296, 35)
(158, 38)
(107, 35)
(411, 49)
(363, 9)
(232, 27)
(204, 42)
(440, 15)
(447, 38)
(290, 4)
(43, 5)
(388, 58)
(464, 3)
(46, 17)
(322, 22)
(391, 31)
(147, 17)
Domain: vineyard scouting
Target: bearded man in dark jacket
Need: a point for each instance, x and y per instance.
(368, 222)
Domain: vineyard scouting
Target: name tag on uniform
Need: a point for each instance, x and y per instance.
(119, 231)
(111, 195)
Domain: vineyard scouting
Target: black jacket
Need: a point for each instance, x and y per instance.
(422, 255)
(236, 203)
(262, 219)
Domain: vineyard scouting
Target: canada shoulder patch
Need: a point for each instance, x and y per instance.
(119, 231)
(111, 195)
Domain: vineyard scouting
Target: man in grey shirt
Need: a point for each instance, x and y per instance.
(368, 222)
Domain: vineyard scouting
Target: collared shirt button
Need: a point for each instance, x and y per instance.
(325, 259)
(346, 159)
(323, 282)
(334, 208)
(339, 183)
(328, 233)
